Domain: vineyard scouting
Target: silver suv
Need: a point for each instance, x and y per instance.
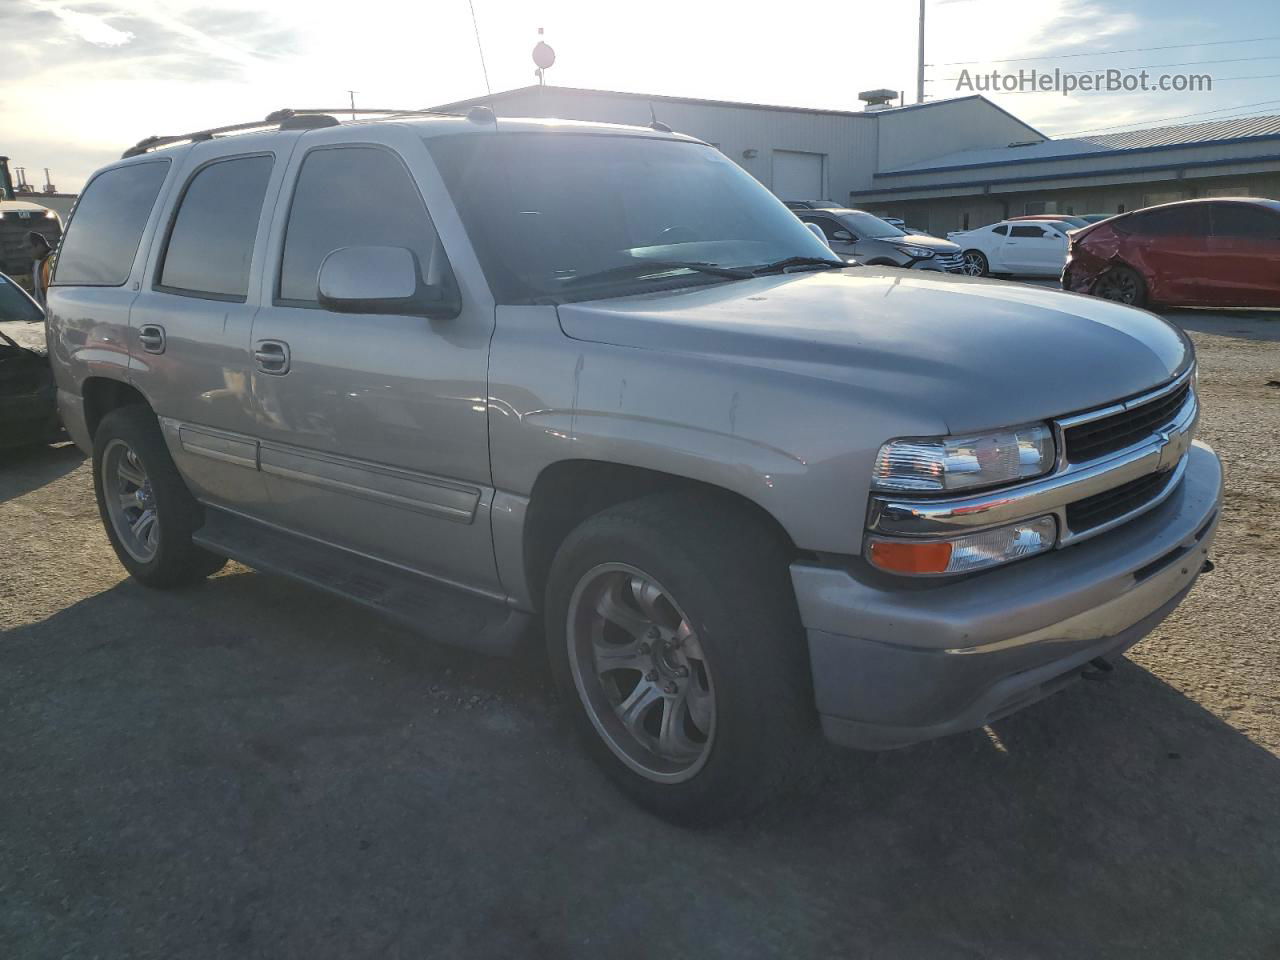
(486, 377)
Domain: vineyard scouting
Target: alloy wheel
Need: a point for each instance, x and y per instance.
(130, 501)
(641, 672)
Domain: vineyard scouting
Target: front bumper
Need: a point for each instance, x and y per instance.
(896, 662)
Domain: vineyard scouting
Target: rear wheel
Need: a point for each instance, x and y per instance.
(673, 636)
(1123, 285)
(147, 510)
(975, 264)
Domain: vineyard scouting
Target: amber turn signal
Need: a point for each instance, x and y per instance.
(898, 556)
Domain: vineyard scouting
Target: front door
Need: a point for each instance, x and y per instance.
(1244, 255)
(1034, 250)
(373, 427)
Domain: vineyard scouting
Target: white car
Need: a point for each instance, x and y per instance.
(1028, 248)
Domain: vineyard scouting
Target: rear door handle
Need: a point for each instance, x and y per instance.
(272, 356)
(151, 336)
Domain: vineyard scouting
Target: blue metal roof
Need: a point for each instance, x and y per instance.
(1238, 130)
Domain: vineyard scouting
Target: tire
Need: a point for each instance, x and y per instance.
(1121, 285)
(719, 583)
(976, 264)
(158, 553)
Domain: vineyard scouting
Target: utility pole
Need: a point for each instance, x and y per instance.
(920, 61)
(352, 94)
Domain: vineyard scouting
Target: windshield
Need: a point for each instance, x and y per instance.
(16, 305)
(557, 216)
(869, 227)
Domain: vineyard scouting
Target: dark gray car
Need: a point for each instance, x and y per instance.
(864, 238)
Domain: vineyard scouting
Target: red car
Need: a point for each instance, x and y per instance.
(1195, 253)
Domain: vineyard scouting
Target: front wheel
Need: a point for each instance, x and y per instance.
(147, 510)
(975, 264)
(673, 635)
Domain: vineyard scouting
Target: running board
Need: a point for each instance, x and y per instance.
(438, 611)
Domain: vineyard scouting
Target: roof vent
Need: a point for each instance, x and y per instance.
(878, 99)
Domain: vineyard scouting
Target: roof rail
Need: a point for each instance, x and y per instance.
(286, 119)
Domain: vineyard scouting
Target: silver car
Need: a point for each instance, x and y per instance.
(864, 238)
(626, 403)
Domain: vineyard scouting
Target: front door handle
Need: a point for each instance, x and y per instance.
(151, 336)
(272, 356)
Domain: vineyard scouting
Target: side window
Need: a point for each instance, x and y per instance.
(827, 226)
(104, 232)
(1002, 230)
(211, 241)
(1244, 222)
(349, 197)
(1185, 221)
(1021, 230)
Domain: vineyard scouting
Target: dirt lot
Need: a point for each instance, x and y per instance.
(249, 769)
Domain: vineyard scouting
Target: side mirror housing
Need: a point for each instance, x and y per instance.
(817, 232)
(382, 280)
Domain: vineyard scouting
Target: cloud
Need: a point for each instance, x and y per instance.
(89, 27)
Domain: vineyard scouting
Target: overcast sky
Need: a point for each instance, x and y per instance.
(82, 79)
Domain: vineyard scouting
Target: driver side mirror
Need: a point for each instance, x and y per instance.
(382, 280)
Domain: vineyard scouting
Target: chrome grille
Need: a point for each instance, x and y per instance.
(952, 263)
(1091, 512)
(1097, 438)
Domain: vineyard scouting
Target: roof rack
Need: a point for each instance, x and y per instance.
(286, 119)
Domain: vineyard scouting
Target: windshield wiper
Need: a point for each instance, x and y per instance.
(646, 268)
(780, 266)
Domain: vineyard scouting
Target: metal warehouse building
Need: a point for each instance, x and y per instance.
(942, 165)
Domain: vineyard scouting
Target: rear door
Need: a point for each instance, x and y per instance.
(1170, 247)
(1244, 252)
(373, 427)
(191, 322)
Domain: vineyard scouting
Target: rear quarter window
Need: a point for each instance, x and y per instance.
(106, 226)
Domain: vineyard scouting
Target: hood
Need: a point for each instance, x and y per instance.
(971, 353)
(926, 241)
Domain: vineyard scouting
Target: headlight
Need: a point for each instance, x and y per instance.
(920, 253)
(964, 554)
(961, 462)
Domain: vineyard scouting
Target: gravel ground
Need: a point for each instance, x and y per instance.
(250, 769)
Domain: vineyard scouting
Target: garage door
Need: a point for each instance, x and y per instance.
(797, 176)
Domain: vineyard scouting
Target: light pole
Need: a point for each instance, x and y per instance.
(920, 61)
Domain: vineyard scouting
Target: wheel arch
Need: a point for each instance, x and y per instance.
(101, 395)
(567, 492)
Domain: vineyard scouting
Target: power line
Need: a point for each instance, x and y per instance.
(1104, 53)
(480, 47)
(1182, 116)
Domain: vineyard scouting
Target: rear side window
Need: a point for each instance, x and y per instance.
(350, 197)
(1018, 231)
(1244, 222)
(211, 240)
(105, 229)
(1191, 220)
(1003, 229)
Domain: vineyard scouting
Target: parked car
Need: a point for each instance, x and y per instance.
(746, 491)
(1068, 220)
(866, 239)
(1194, 253)
(1089, 218)
(813, 205)
(28, 413)
(905, 227)
(1024, 248)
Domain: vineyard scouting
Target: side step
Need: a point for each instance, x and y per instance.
(440, 612)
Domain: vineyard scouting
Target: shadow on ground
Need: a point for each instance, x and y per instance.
(250, 769)
(29, 468)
